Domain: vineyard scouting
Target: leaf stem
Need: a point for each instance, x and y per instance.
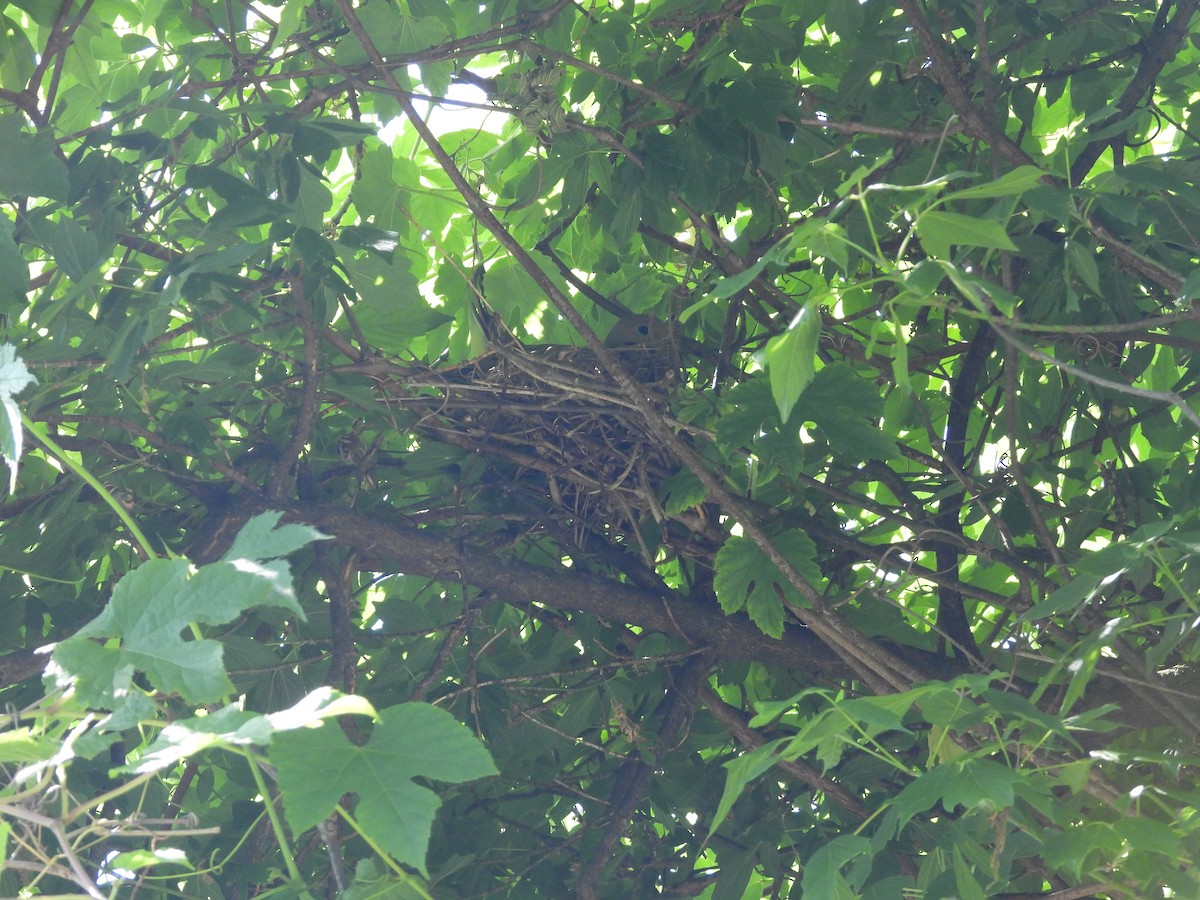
(382, 854)
(39, 432)
(276, 824)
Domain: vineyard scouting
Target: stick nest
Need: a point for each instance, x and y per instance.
(559, 432)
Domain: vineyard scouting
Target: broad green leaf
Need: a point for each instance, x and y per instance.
(227, 727)
(831, 242)
(732, 284)
(1075, 850)
(391, 309)
(29, 163)
(790, 359)
(152, 606)
(370, 883)
(921, 794)
(939, 231)
(627, 217)
(321, 136)
(844, 407)
(746, 579)
(234, 727)
(1072, 595)
(950, 708)
(75, 250)
(1190, 289)
(980, 783)
(1147, 835)
(317, 766)
(682, 491)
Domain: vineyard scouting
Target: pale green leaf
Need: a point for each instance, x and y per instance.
(21, 745)
(316, 767)
(14, 376)
(133, 860)
(790, 359)
(263, 538)
(11, 436)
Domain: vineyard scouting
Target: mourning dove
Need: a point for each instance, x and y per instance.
(643, 343)
(638, 331)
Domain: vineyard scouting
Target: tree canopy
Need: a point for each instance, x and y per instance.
(715, 448)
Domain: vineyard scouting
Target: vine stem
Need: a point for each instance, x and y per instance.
(39, 432)
(276, 825)
(382, 854)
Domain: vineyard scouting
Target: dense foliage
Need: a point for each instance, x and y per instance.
(721, 448)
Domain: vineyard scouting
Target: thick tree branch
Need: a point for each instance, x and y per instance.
(1160, 48)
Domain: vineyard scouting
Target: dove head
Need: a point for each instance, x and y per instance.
(638, 331)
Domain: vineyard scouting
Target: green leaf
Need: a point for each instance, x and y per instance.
(14, 271)
(831, 242)
(372, 884)
(627, 218)
(964, 879)
(29, 163)
(735, 874)
(845, 407)
(321, 136)
(939, 231)
(739, 772)
(682, 491)
(21, 745)
(234, 727)
(317, 766)
(14, 378)
(1147, 835)
(790, 359)
(1082, 259)
(76, 251)
(152, 605)
(950, 708)
(980, 783)
(823, 870)
(132, 860)
(746, 579)
(1075, 850)
(921, 794)
(1190, 289)
(1010, 184)
(263, 538)
(391, 309)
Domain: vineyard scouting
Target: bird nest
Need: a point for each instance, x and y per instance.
(559, 432)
